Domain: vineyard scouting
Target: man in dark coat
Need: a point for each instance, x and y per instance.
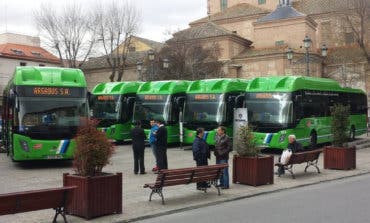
(138, 145)
(223, 146)
(200, 154)
(161, 146)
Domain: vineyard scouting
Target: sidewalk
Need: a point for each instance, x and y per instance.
(16, 177)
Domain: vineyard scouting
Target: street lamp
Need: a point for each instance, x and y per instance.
(289, 54)
(324, 50)
(307, 44)
(166, 63)
(151, 59)
(139, 67)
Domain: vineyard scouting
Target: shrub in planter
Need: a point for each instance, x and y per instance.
(339, 156)
(98, 193)
(249, 167)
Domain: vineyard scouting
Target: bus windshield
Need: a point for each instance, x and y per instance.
(269, 109)
(49, 118)
(205, 109)
(106, 108)
(149, 107)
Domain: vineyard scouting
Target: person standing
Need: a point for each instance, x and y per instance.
(161, 146)
(200, 154)
(152, 140)
(223, 147)
(138, 146)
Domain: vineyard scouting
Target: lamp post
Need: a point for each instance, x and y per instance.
(307, 44)
(151, 59)
(139, 67)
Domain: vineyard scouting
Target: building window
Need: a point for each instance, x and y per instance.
(23, 64)
(261, 2)
(223, 4)
(349, 38)
(131, 48)
(279, 43)
(18, 52)
(41, 65)
(36, 54)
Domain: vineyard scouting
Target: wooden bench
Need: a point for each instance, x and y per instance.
(56, 198)
(311, 158)
(174, 177)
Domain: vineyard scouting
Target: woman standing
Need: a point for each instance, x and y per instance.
(200, 154)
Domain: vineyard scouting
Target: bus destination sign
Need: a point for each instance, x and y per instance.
(51, 91)
(153, 97)
(105, 98)
(204, 97)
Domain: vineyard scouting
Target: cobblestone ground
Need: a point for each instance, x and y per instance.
(19, 177)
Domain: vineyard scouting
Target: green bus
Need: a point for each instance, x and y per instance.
(283, 105)
(210, 103)
(161, 100)
(42, 109)
(112, 104)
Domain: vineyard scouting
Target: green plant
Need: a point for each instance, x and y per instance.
(93, 150)
(245, 143)
(340, 122)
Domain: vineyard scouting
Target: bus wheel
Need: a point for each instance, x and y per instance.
(352, 133)
(313, 140)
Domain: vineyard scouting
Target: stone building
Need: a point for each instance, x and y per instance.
(273, 26)
(21, 50)
(97, 69)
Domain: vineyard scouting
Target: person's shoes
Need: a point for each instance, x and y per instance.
(135, 173)
(224, 188)
(143, 173)
(155, 169)
(279, 174)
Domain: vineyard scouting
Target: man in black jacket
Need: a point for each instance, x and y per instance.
(138, 146)
(161, 143)
(200, 154)
(223, 146)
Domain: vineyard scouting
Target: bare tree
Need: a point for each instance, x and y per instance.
(118, 22)
(70, 31)
(190, 60)
(359, 19)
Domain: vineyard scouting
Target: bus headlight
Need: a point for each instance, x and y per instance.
(24, 145)
(282, 137)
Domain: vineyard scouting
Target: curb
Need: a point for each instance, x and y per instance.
(234, 199)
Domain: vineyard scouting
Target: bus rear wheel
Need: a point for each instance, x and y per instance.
(313, 140)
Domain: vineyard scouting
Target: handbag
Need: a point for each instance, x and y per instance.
(285, 156)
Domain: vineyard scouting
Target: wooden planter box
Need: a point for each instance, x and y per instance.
(95, 196)
(339, 158)
(253, 171)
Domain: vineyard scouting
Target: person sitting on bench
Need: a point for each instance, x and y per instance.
(294, 147)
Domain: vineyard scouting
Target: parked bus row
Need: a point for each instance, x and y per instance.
(43, 107)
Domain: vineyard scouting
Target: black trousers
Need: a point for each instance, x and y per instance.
(139, 161)
(202, 161)
(162, 157)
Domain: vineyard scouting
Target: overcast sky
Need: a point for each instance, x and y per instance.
(157, 15)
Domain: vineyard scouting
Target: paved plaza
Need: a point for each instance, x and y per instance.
(20, 177)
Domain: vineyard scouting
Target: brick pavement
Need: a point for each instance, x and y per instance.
(17, 177)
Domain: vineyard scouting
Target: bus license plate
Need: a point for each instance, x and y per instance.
(54, 157)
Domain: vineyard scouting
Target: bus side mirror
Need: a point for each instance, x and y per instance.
(180, 101)
(239, 100)
(89, 97)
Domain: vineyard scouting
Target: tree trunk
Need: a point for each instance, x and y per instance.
(113, 74)
(121, 71)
